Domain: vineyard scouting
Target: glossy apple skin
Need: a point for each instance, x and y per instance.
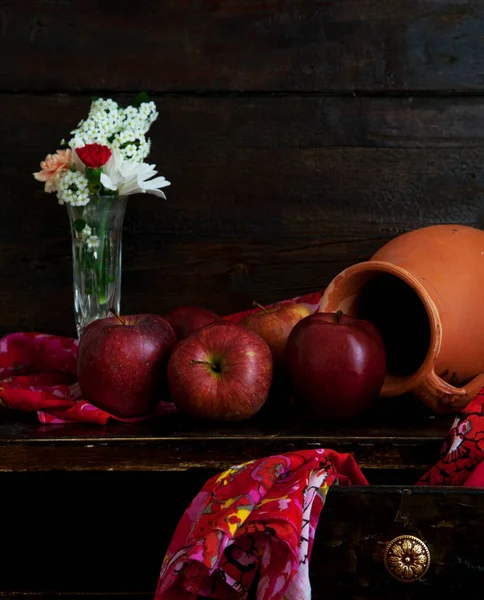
(275, 324)
(222, 372)
(122, 368)
(337, 368)
(187, 319)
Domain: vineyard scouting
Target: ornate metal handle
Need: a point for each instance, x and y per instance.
(406, 558)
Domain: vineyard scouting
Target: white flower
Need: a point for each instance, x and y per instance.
(104, 120)
(123, 128)
(140, 119)
(132, 145)
(93, 242)
(73, 189)
(87, 231)
(128, 177)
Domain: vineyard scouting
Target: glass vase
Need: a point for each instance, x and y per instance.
(96, 231)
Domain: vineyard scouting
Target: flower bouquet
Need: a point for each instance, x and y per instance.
(102, 165)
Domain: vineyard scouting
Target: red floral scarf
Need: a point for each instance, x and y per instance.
(254, 520)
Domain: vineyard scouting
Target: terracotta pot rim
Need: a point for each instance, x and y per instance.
(396, 385)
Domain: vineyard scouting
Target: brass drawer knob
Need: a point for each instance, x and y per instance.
(406, 558)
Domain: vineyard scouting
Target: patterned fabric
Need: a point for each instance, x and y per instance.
(254, 522)
(461, 460)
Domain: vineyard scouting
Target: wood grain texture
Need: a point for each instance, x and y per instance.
(409, 456)
(270, 197)
(355, 527)
(303, 45)
(399, 433)
(398, 440)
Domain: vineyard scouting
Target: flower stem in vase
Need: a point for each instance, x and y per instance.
(102, 278)
(96, 230)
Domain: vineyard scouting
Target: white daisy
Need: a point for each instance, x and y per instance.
(128, 177)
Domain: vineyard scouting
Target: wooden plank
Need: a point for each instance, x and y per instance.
(371, 454)
(269, 198)
(409, 456)
(37, 122)
(399, 435)
(266, 45)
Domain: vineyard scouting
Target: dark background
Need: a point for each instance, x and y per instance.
(299, 136)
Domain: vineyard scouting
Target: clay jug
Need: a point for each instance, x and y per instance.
(424, 291)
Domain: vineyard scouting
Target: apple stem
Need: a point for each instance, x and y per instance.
(256, 304)
(111, 310)
(215, 366)
(339, 314)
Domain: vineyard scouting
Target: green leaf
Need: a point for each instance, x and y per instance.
(140, 98)
(93, 174)
(94, 180)
(79, 225)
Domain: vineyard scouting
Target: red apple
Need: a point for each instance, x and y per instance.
(187, 319)
(337, 364)
(121, 363)
(275, 324)
(222, 372)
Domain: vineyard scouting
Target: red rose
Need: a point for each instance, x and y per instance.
(94, 155)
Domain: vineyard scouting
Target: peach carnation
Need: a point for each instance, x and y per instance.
(53, 167)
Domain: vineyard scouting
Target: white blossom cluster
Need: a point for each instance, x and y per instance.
(73, 189)
(122, 128)
(132, 146)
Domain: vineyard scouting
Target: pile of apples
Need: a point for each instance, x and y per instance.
(215, 369)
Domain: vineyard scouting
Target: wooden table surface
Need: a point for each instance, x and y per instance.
(398, 435)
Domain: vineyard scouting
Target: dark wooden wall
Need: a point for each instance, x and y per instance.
(299, 136)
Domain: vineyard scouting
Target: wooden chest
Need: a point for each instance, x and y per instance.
(89, 511)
